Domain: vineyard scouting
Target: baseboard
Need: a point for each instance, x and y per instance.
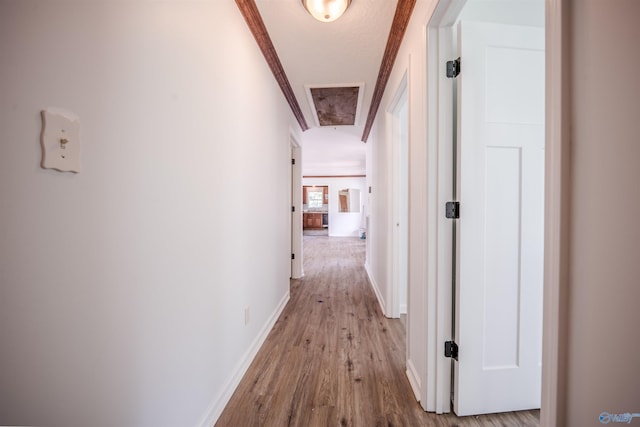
(414, 379)
(217, 406)
(374, 286)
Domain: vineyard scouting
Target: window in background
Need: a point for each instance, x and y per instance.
(314, 198)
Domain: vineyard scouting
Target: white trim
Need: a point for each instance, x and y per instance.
(414, 379)
(557, 205)
(297, 270)
(447, 50)
(376, 290)
(401, 92)
(220, 401)
(446, 13)
(440, 48)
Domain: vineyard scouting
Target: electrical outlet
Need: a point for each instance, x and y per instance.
(246, 315)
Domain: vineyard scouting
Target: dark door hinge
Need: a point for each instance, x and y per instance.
(293, 208)
(453, 68)
(293, 256)
(293, 161)
(452, 210)
(451, 349)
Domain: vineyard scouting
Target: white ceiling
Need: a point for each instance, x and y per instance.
(349, 51)
(345, 51)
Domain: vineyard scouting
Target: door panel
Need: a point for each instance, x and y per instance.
(501, 192)
(501, 304)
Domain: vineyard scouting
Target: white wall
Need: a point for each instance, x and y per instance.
(122, 288)
(603, 373)
(333, 151)
(411, 60)
(342, 223)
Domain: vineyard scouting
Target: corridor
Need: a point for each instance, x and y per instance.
(333, 359)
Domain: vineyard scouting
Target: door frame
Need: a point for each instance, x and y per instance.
(296, 202)
(557, 205)
(557, 211)
(440, 105)
(399, 208)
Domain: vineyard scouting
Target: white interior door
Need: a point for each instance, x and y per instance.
(296, 214)
(402, 201)
(399, 117)
(501, 192)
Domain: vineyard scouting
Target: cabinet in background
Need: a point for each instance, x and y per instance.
(312, 220)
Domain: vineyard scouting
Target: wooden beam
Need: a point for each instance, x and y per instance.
(396, 34)
(252, 16)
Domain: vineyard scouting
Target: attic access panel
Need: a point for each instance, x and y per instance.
(335, 106)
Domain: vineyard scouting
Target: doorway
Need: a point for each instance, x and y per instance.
(399, 116)
(296, 210)
(489, 304)
(315, 210)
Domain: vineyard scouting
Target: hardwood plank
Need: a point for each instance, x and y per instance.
(333, 359)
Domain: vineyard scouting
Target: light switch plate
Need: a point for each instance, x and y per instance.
(60, 141)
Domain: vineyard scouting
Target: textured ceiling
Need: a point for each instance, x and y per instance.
(335, 106)
(344, 52)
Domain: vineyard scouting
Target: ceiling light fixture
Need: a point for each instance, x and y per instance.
(326, 10)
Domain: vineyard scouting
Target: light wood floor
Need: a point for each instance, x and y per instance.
(333, 359)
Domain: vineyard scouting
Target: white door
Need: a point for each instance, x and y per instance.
(501, 193)
(400, 201)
